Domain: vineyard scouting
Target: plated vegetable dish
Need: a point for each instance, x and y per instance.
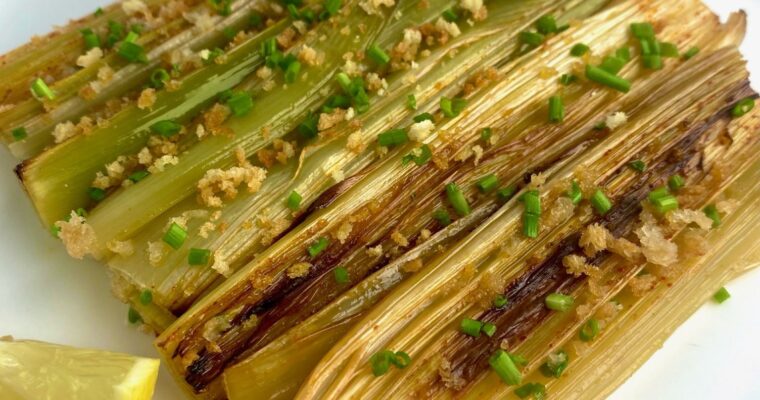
(339, 199)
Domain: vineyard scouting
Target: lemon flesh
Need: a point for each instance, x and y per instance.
(40, 371)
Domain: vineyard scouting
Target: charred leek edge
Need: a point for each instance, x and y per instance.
(158, 192)
(240, 240)
(554, 333)
(68, 106)
(353, 346)
(55, 50)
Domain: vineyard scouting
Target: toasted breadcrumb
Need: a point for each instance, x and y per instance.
(655, 247)
(271, 228)
(162, 162)
(616, 120)
(477, 150)
(203, 21)
(594, 239)
(105, 74)
(419, 131)
(135, 8)
(425, 235)
(90, 58)
(450, 28)
(376, 251)
(640, 285)
(64, 130)
(298, 270)
(156, 251)
(221, 266)
(576, 265)
(77, 235)
(412, 266)
(122, 248)
(226, 181)
(147, 99)
(451, 378)
(400, 239)
(309, 56)
(214, 119)
(354, 143)
(372, 7)
(329, 120)
(682, 217)
(344, 230)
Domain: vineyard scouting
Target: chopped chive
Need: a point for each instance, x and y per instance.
(642, 30)
(378, 55)
(600, 126)
(333, 6)
(721, 295)
(567, 79)
(175, 236)
(452, 107)
(450, 15)
(344, 81)
(132, 37)
(99, 12)
(691, 53)
(623, 53)
(661, 191)
(532, 39)
(530, 225)
(603, 77)
(133, 316)
(423, 117)
(318, 247)
(457, 199)
(420, 159)
(137, 176)
(341, 275)
(532, 201)
(579, 49)
(485, 134)
(653, 61)
(676, 182)
(612, 64)
(166, 128)
(742, 107)
(96, 194)
(292, 71)
(489, 329)
(158, 78)
(589, 330)
(132, 52)
(535, 390)
(556, 109)
(663, 204)
(559, 302)
(222, 7)
(638, 165)
(506, 193)
(392, 137)
(19, 133)
(546, 25)
(712, 212)
(669, 50)
(488, 183)
(256, 21)
(293, 11)
(442, 217)
(294, 201)
(240, 103)
(601, 202)
(470, 327)
(505, 368)
(41, 90)
(555, 365)
(411, 102)
(146, 297)
(381, 362)
(308, 127)
(401, 360)
(115, 33)
(91, 39)
(575, 193)
(500, 301)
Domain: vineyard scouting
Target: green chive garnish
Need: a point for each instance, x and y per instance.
(505, 368)
(601, 202)
(603, 77)
(166, 128)
(378, 55)
(575, 194)
(742, 107)
(470, 327)
(452, 107)
(292, 71)
(567, 79)
(500, 301)
(318, 247)
(712, 212)
(488, 183)
(579, 49)
(559, 302)
(530, 225)
(158, 78)
(442, 217)
(535, 390)
(556, 365)
(638, 165)
(691, 53)
(589, 330)
(341, 275)
(556, 109)
(133, 316)
(137, 176)
(41, 90)
(457, 199)
(146, 297)
(721, 295)
(411, 102)
(676, 182)
(423, 117)
(532, 39)
(294, 201)
(91, 39)
(240, 103)
(489, 329)
(505, 194)
(96, 194)
(19, 133)
(546, 25)
(392, 137)
(175, 236)
(485, 134)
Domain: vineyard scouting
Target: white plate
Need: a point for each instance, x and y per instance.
(45, 295)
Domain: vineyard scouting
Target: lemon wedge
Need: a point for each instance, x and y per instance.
(36, 370)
